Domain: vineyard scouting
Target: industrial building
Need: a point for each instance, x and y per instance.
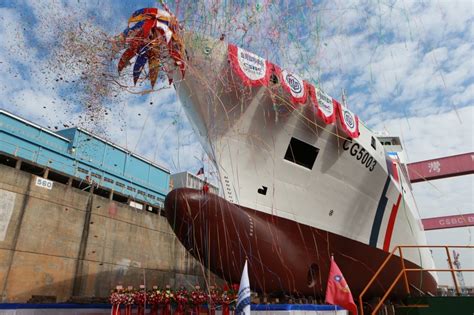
(84, 159)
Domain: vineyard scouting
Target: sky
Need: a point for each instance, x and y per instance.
(407, 68)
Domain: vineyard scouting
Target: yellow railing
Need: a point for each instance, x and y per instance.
(404, 270)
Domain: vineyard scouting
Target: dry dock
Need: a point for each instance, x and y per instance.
(67, 242)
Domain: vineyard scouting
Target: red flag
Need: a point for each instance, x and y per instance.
(337, 291)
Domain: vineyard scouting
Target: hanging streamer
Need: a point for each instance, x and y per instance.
(326, 109)
(294, 85)
(252, 69)
(349, 121)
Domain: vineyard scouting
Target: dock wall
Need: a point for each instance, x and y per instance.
(65, 242)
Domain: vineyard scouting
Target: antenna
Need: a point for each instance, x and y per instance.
(343, 92)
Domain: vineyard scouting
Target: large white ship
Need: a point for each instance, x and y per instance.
(302, 179)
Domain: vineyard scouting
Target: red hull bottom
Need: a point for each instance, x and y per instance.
(284, 256)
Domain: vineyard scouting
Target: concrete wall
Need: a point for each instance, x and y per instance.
(66, 242)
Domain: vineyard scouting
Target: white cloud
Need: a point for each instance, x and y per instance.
(400, 55)
(14, 48)
(446, 133)
(465, 96)
(41, 107)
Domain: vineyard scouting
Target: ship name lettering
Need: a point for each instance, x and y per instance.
(360, 154)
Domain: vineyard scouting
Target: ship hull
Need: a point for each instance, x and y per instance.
(259, 142)
(284, 256)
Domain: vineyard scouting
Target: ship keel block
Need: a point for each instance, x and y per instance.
(284, 256)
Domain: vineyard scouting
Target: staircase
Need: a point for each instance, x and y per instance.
(424, 304)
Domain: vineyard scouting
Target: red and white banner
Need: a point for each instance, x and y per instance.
(323, 103)
(349, 120)
(252, 69)
(295, 86)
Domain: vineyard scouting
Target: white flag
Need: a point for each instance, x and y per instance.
(243, 300)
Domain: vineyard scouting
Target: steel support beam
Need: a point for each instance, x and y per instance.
(451, 221)
(444, 167)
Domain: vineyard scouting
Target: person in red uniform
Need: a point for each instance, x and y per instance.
(205, 187)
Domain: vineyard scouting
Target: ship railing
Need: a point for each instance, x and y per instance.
(403, 273)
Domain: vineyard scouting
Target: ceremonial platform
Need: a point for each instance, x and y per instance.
(99, 309)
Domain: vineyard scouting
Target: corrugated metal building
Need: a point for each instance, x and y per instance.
(87, 159)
